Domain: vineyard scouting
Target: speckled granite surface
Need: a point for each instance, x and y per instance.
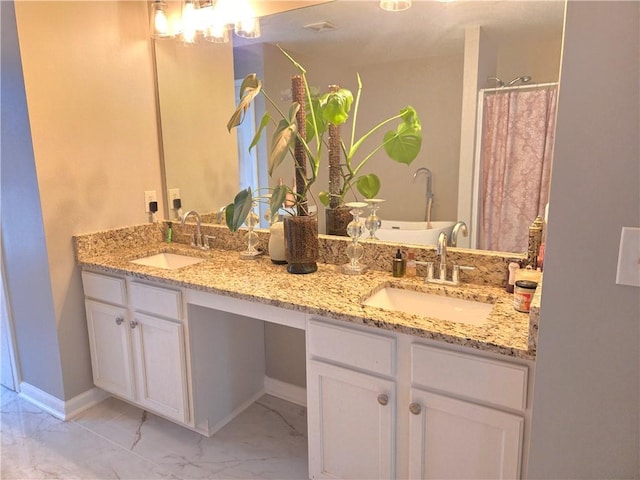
(326, 293)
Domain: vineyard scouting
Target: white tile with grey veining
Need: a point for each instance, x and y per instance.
(117, 440)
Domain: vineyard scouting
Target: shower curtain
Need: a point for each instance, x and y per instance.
(517, 142)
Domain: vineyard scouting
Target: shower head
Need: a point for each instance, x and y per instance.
(521, 80)
(497, 80)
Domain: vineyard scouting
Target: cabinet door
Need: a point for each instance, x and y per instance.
(451, 438)
(351, 423)
(109, 340)
(160, 366)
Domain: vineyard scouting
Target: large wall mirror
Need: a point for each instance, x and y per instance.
(437, 57)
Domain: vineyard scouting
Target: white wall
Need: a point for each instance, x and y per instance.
(23, 237)
(89, 82)
(586, 397)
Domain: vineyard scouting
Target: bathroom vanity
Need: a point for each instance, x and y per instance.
(389, 394)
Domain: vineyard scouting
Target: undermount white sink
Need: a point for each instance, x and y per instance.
(429, 305)
(169, 261)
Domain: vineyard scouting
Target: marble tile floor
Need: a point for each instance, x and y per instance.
(115, 440)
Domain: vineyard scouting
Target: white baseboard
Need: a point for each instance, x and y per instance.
(64, 410)
(286, 391)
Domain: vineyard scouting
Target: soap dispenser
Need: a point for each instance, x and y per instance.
(399, 265)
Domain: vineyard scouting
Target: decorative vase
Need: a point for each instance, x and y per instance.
(337, 220)
(276, 243)
(301, 243)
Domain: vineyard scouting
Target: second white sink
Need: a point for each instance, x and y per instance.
(169, 261)
(430, 305)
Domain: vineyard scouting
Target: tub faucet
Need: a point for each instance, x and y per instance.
(197, 239)
(457, 228)
(427, 172)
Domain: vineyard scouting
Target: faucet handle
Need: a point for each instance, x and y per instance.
(455, 278)
(205, 241)
(429, 266)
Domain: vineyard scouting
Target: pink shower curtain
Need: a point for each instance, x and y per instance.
(517, 141)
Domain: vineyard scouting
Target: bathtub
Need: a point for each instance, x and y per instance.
(413, 232)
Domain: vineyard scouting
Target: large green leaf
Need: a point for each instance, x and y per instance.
(368, 185)
(325, 198)
(278, 197)
(336, 106)
(249, 89)
(315, 111)
(236, 212)
(403, 144)
(263, 124)
(283, 138)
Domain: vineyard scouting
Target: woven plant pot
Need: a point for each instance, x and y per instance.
(301, 244)
(337, 220)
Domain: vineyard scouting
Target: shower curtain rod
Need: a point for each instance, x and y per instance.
(518, 87)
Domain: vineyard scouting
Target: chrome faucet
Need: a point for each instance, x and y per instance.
(197, 240)
(427, 172)
(441, 249)
(222, 214)
(457, 228)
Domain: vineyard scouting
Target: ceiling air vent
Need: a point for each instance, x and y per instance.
(321, 27)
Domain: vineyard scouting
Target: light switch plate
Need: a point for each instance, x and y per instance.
(629, 257)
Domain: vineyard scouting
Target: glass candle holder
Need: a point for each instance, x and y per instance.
(251, 237)
(373, 222)
(355, 229)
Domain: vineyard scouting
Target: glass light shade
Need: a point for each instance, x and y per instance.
(395, 5)
(189, 22)
(159, 21)
(217, 33)
(248, 27)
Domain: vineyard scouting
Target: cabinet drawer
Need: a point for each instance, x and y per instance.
(160, 301)
(105, 288)
(367, 351)
(489, 381)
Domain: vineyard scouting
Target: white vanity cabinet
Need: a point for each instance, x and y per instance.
(351, 403)
(137, 343)
(386, 406)
(465, 430)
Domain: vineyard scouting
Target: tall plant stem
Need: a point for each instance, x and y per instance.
(335, 150)
(300, 154)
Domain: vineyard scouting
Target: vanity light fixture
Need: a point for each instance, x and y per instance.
(395, 5)
(211, 19)
(159, 20)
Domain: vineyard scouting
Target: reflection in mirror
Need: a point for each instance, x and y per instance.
(436, 56)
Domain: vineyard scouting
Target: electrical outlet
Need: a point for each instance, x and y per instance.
(174, 193)
(149, 196)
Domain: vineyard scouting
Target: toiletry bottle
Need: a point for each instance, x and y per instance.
(535, 238)
(399, 265)
(169, 232)
(513, 268)
(411, 264)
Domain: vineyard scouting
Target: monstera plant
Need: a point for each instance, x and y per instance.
(401, 145)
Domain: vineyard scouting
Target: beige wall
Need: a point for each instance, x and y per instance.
(196, 93)
(89, 82)
(586, 397)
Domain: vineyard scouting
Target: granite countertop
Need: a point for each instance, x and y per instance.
(328, 293)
